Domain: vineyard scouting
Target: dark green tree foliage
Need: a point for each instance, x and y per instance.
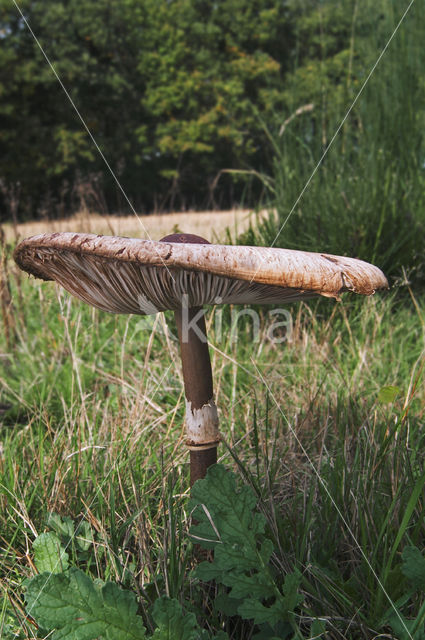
(204, 79)
(92, 46)
(167, 89)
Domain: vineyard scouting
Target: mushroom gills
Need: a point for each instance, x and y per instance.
(128, 287)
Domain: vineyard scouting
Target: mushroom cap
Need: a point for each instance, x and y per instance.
(129, 275)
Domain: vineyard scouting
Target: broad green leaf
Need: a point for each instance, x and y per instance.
(403, 628)
(62, 525)
(227, 605)
(220, 506)
(172, 623)
(279, 631)
(76, 609)
(252, 609)
(83, 536)
(49, 555)
(388, 394)
(227, 514)
(226, 520)
(413, 567)
(66, 530)
(205, 635)
(281, 610)
(290, 590)
(256, 585)
(318, 628)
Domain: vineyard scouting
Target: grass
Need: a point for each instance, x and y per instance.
(92, 428)
(356, 189)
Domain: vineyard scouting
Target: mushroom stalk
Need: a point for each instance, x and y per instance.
(201, 411)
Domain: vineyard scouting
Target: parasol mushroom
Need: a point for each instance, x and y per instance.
(129, 275)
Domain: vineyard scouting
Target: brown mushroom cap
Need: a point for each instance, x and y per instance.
(128, 275)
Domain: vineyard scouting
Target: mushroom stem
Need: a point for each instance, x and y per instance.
(201, 413)
(199, 463)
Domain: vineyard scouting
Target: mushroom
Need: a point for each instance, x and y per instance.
(183, 272)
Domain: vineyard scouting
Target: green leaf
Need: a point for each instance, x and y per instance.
(204, 635)
(281, 609)
(318, 628)
(66, 530)
(388, 394)
(76, 609)
(226, 520)
(172, 623)
(254, 610)
(84, 536)
(62, 525)
(227, 605)
(290, 590)
(413, 567)
(280, 631)
(223, 512)
(49, 555)
(403, 628)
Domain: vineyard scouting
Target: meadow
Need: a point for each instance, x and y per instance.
(315, 512)
(324, 427)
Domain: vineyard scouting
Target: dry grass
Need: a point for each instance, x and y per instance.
(210, 224)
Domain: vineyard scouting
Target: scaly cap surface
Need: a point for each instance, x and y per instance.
(129, 275)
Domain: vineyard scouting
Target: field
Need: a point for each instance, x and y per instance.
(324, 426)
(213, 224)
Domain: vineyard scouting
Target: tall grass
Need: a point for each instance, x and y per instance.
(366, 197)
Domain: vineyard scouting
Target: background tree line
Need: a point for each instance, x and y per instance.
(174, 92)
(168, 89)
